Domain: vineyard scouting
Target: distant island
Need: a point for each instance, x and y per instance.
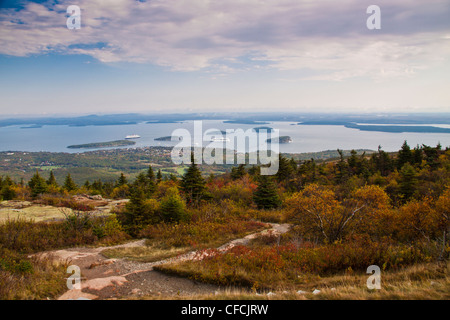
(162, 121)
(282, 139)
(258, 118)
(380, 128)
(167, 138)
(36, 126)
(399, 129)
(243, 121)
(108, 144)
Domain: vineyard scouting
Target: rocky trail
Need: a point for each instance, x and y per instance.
(104, 278)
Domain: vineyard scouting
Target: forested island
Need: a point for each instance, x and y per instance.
(167, 138)
(107, 144)
(282, 139)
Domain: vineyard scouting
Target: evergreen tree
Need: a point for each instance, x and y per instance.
(408, 181)
(37, 185)
(404, 155)
(134, 215)
(7, 189)
(173, 208)
(122, 180)
(151, 174)
(193, 184)
(52, 180)
(266, 195)
(97, 186)
(159, 177)
(342, 169)
(69, 184)
(431, 155)
(151, 184)
(382, 162)
(417, 155)
(354, 162)
(285, 169)
(238, 172)
(254, 171)
(144, 183)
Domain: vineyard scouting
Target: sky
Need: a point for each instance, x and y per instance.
(162, 56)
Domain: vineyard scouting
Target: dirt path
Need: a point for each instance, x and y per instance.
(103, 278)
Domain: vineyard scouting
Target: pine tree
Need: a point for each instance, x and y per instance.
(52, 180)
(97, 186)
(382, 162)
(408, 181)
(266, 195)
(7, 189)
(404, 155)
(122, 180)
(151, 174)
(69, 184)
(37, 185)
(173, 207)
(285, 169)
(238, 172)
(193, 184)
(417, 155)
(151, 184)
(134, 215)
(342, 169)
(159, 177)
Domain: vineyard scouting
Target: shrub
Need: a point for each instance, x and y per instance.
(173, 208)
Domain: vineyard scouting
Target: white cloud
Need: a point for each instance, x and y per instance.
(327, 37)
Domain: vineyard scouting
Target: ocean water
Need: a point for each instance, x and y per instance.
(308, 138)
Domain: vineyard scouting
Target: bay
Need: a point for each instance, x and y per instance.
(305, 138)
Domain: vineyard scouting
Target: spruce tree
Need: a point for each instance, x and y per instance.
(417, 155)
(52, 180)
(285, 169)
(408, 181)
(193, 184)
(151, 184)
(37, 185)
(173, 207)
(266, 195)
(158, 177)
(7, 189)
(69, 184)
(342, 169)
(122, 180)
(134, 215)
(404, 155)
(238, 172)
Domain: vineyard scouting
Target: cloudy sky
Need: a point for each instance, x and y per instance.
(224, 55)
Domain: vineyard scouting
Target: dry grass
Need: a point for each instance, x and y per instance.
(45, 281)
(36, 213)
(420, 282)
(145, 253)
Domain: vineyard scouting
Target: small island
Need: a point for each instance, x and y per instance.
(107, 144)
(244, 121)
(281, 140)
(167, 138)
